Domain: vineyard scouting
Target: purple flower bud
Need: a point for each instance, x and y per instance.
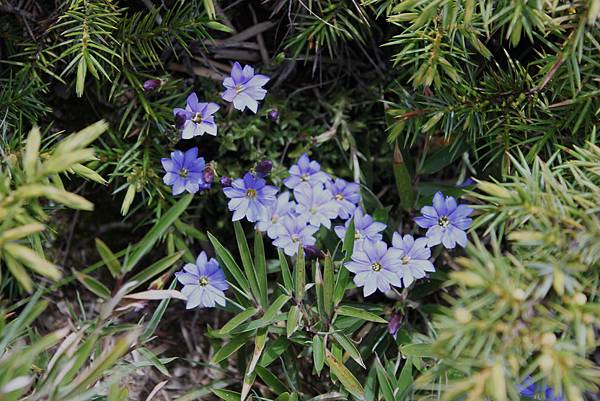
(225, 181)
(209, 175)
(263, 168)
(180, 120)
(394, 324)
(312, 252)
(273, 115)
(152, 84)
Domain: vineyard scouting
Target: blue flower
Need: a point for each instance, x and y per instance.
(375, 267)
(446, 221)
(244, 88)
(306, 171)
(204, 283)
(365, 229)
(250, 197)
(538, 391)
(185, 171)
(414, 257)
(293, 231)
(279, 209)
(316, 204)
(197, 118)
(347, 195)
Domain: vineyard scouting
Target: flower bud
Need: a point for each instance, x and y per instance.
(312, 252)
(180, 120)
(225, 181)
(152, 84)
(208, 174)
(273, 115)
(394, 324)
(263, 168)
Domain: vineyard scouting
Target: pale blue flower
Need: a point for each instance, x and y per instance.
(365, 228)
(347, 195)
(306, 170)
(244, 88)
(197, 118)
(316, 204)
(293, 231)
(276, 211)
(250, 197)
(375, 267)
(414, 258)
(446, 221)
(185, 171)
(204, 283)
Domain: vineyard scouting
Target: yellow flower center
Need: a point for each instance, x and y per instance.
(183, 173)
(251, 193)
(357, 235)
(339, 197)
(197, 118)
(203, 281)
(405, 259)
(376, 266)
(304, 177)
(239, 89)
(444, 221)
(295, 238)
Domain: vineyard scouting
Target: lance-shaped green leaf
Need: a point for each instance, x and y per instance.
(403, 180)
(273, 351)
(259, 346)
(237, 320)
(109, 258)
(328, 285)
(293, 319)
(29, 258)
(300, 275)
(260, 263)
(385, 384)
(349, 382)
(343, 274)
(351, 311)
(156, 268)
(82, 138)
(275, 385)
(318, 351)
(230, 347)
(247, 262)
(349, 347)
(161, 226)
(275, 307)
(157, 315)
(32, 151)
(21, 232)
(230, 265)
(226, 395)
(285, 271)
(93, 285)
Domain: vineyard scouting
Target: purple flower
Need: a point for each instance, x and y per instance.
(197, 118)
(306, 171)
(375, 267)
(282, 207)
(244, 88)
(394, 324)
(225, 181)
(263, 168)
(152, 84)
(273, 114)
(365, 229)
(316, 204)
(294, 231)
(250, 197)
(347, 195)
(446, 221)
(185, 171)
(203, 283)
(414, 257)
(537, 391)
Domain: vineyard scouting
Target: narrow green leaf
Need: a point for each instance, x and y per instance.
(343, 274)
(405, 381)
(19, 272)
(403, 180)
(349, 347)
(260, 263)
(230, 265)
(300, 275)
(318, 349)
(227, 395)
(93, 285)
(157, 315)
(154, 360)
(273, 351)
(275, 307)
(237, 320)
(259, 346)
(156, 232)
(29, 258)
(350, 383)
(293, 318)
(345, 310)
(285, 271)
(247, 262)
(385, 385)
(109, 258)
(275, 385)
(230, 347)
(328, 285)
(156, 268)
(32, 149)
(418, 350)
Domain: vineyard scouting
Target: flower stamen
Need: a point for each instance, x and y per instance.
(444, 221)
(203, 281)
